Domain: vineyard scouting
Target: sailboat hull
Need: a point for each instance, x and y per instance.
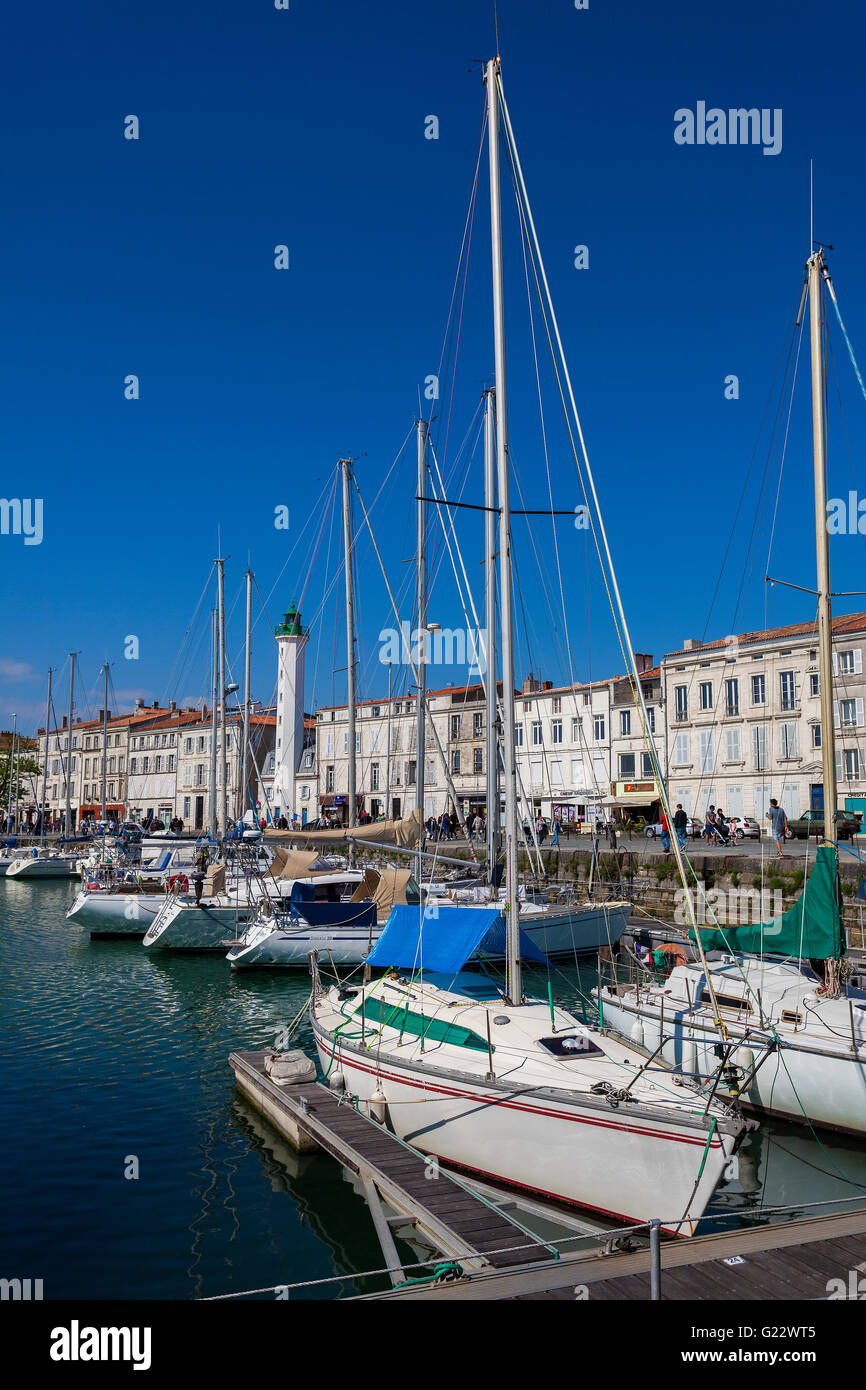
(824, 1086)
(621, 1162)
(115, 914)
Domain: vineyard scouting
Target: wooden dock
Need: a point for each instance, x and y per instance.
(460, 1225)
(776, 1261)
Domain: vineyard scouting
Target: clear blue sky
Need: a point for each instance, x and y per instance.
(260, 127)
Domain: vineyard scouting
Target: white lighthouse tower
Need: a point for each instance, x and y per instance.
(291, 645)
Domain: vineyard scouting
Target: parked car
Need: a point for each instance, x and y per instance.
(693, 830)
(812, 823)
(747, 827)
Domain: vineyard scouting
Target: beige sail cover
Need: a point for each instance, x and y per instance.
(406, 831)
(391, 890)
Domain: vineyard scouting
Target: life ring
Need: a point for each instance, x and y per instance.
(178, 883)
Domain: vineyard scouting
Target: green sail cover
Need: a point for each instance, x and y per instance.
(811, 929)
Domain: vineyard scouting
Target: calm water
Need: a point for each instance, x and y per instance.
(111, 1051)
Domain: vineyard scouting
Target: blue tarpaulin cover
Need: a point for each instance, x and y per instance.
(450, 936)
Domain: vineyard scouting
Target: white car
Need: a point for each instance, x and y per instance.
(694, 829)
(747, 828)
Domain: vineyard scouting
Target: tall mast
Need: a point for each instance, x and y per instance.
(10, 769)
(104, 732)
(68, 824)
(388, 754)
(493, 817)
(818, 268)
(245, 772)
(45, 769)
(514, 985)
(213, 727)
(422, 629)
(224, 760)
(346, 466)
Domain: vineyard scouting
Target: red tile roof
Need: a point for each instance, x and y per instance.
(851, 622)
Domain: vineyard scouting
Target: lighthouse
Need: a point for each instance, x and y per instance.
(291, 645)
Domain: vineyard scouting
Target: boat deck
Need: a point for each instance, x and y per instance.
(460, 1224)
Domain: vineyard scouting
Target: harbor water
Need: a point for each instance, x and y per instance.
(132, 1169)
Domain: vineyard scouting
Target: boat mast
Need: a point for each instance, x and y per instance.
(67, 826)
(514, 986)
(45, 769)
(346, 467)
(493, 816)
(422, 631)
(213, 729)
(224, 774)
(104, 733)
(245, 773)
(10, 769)
(817, 267)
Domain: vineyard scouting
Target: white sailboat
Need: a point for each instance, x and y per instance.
(795, 1039)
(478, 1075)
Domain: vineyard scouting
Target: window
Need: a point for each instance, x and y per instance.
(455, 760)
(646, 765)
(575, 731)
(557, 704)
(186, 807)
(760, 747)
(556, 730)
(732, 696)
(117, 740)
(527, 706)
(587, 699)
(157, 764)
(626, 765)
(815, 683)
(200, 780)
(598, 727)
(708, 759)
(133, 766)
(120, 764)
(455, 726)
(375, 712)
(788, 740)
(759, 690)
(145, 764)
(187, 745)
(849, 714)
(625, 721)
(329, 779)
(87, 766)
(681, 750)
(111, 764)
(518, 735)
(816, 735)
(477, 725)
(705, 691)
(411, 772)
(536, 733)
(681, 702)
(651, 716)
(849, 663)
(732, 745)
(171, 762)
(852, 760)
(787, 690)
(477, 760)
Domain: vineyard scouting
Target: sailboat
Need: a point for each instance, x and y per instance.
(772, 1000)
(474, 1073)
(39, 862)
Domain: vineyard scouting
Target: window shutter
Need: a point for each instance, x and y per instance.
(835, 663)
(836, 713)
(859, 709)
(838, 764)
(858, 661)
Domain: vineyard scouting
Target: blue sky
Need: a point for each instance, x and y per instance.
(261, 127)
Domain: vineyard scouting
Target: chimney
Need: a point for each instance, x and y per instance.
(529, 684)
(156, 704)
(643, 661)
(139, 702)
(172, 704)
(101, 715)
(63, 722)
(547, 685)
(691, 644)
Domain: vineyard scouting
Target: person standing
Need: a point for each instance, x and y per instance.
(554, 839)
(666, 834)
(681, 821)
(778, 824)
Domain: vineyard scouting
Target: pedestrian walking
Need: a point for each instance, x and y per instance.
(681, 821)
(778, 824)
(666, 834)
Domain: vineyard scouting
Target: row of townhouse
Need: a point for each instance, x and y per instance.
(157, 764)
(731, 723)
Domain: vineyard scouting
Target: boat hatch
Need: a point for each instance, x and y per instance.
(791, 1016)
(570, 1045)
(418, 1025)
(727, 1001)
